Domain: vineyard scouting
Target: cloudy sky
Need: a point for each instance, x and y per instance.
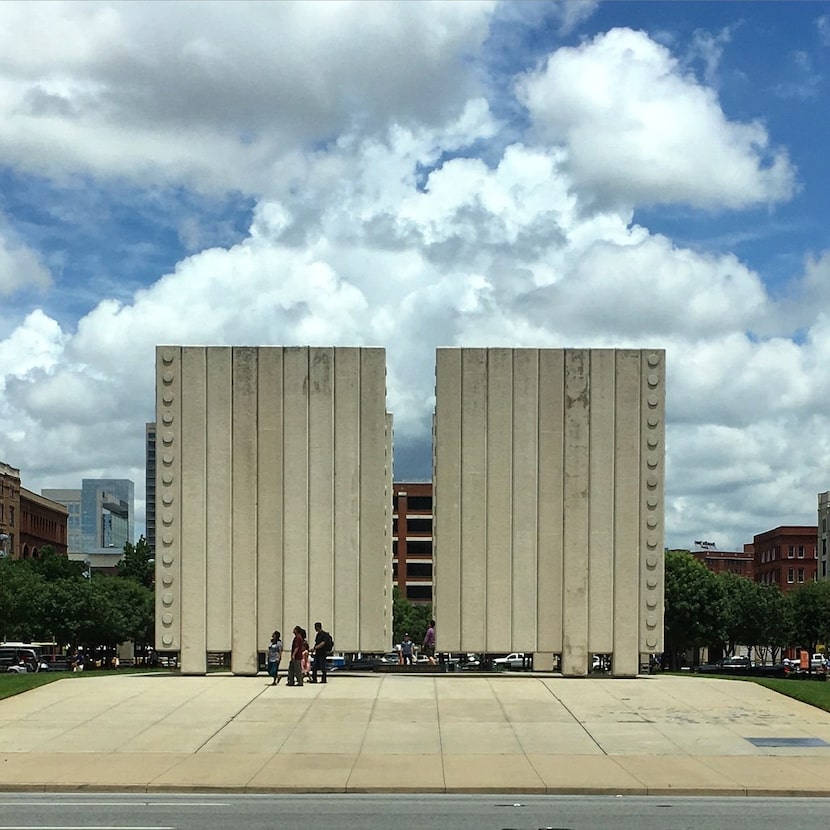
(414, 175)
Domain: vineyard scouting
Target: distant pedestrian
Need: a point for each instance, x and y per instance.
(306, 658)
(295, 664)
(274, 657)
(80, 660)
(429, 643)
(406, 647)
(323, 644)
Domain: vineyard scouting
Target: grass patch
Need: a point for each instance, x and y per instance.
(813, 692)
(14, 684)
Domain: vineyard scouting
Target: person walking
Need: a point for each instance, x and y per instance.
(274, 657)
(323, 644)
(406, 647)
(429, 643)
(295, 664)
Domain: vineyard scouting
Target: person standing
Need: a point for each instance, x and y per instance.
(323, 644)
(429, 643)
(406, 647)
(274, 657)
(295, 664)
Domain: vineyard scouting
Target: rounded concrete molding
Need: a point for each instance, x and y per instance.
(652, 481)
(653, 421)
(651, 642)
(168, 559)
(167, 580)
(167, 458)
(653, 359)
(653, 442)
(168, 538)
(652, 560)
(167, 598)
(167, 640)
(653, 380)
(167, 518)
(653, 461)
(168, 356)
(167, 397)
(167, 437)
(167, 499)
(167, 619)
(651, 620)
(167, 377)
(653, 400)
(652, 503)
(167, 418)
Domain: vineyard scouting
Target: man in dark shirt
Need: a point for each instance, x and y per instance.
(322, 646)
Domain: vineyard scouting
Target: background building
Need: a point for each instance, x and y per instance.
(786, 556)
(548, 504)
(10, 509)
(101, 519)
(823, 535)
(740, 562)
(28, 521)
(42, 522)
(412, 540)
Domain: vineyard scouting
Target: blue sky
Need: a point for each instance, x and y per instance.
(414, 175)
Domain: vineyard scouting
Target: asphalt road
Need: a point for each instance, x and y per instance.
(406, 812)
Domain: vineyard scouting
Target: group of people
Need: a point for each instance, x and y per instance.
(305, 661)
(406, 648)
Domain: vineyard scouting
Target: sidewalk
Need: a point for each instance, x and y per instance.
(392, 733)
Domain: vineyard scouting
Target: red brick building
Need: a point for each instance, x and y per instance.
(412, 540)
(728, 561)
(27, 520)
(787, 556)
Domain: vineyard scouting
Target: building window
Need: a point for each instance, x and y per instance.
(801, 551)
(791, 552)
(801, 574)
(11, 515)
(418, 548)
(419, 570)
(790, 574)
(418, 525)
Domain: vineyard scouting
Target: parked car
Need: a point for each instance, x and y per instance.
(515, 661)
(741, 665)
(23, 661)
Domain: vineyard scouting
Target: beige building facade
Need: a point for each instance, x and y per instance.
(273, 499)
(548, 504)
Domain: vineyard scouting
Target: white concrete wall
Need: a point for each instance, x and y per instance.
(548, 479)
(273, 479)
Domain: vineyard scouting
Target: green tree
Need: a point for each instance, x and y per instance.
(409, 618)
(22, 590)
(810, 604)
(694, 605)
(138, 563)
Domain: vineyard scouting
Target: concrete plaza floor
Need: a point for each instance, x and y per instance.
(448, 733)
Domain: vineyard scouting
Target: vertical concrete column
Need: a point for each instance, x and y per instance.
(651, 501)
(346, 495)
(601, 500)
(270, 560)
(321, 485)
(473, 581)
(374, 581)
(218, 418)
(626, 514)
(525, 508)
(576, 513)
(193, 531)
(551, 500)
(244, 658)
(168, 488)
(295, 485)
(498, 548)
(447, 483)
